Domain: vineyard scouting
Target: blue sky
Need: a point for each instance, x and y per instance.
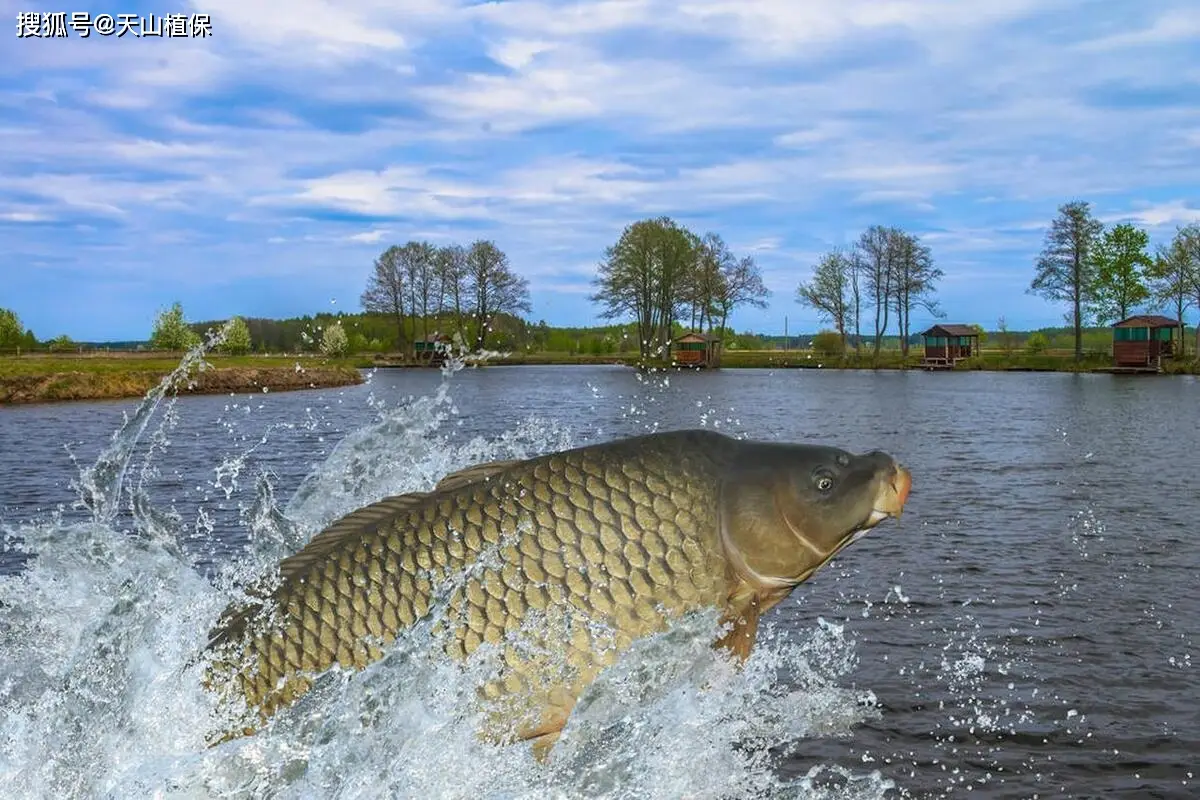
(260, 171)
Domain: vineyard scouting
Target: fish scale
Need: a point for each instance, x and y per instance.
(561, 562)
(603, 543)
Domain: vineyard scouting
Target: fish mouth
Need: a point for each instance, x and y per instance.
(889, 502)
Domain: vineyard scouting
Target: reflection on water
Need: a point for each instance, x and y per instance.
(1027, 628)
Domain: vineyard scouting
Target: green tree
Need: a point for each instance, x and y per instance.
(644, 275)
(11, 329)
(493, 288)
(62, 344)
(829, 343)
(171, 331)
(334, 341)
(829, 292)
(1066, 265)
(1175, 268)
(983, 336)
(237, 341)
(1037, 342)
(1119, 284)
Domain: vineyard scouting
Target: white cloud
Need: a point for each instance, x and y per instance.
(1160, 215)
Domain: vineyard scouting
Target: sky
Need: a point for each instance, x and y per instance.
(260, 171)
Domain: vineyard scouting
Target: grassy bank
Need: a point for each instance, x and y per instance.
(38, 379)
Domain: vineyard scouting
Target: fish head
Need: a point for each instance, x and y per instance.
(787, 509)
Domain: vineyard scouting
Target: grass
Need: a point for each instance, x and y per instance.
(38, 378)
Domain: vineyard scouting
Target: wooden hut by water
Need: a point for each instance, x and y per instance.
(698, 350)
(1142, 341)
(946, 344)
(432, 349)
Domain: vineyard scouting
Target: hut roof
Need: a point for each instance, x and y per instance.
(950, 330)
(1147, 321)
(692, 336)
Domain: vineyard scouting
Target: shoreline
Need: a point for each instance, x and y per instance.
(73, 385)
(115, 376)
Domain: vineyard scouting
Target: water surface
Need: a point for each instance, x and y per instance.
(1027, 629)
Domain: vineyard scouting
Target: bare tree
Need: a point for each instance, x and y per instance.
(858, 271)
(876, 245)
(1066, 267)
(452, 275)
(914, 281)
(829, 291)
(741, 284)
(493, 288)
(703, 284)
(385, 291)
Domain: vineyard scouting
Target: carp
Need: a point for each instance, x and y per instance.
(573, 554)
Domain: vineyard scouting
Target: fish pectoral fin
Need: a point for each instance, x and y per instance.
(743, 613)
(542, 745)
(544, 735)
(479, 472)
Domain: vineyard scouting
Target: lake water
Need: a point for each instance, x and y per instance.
(1028, 629)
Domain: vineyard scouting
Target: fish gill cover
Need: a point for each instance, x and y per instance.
(99, 634)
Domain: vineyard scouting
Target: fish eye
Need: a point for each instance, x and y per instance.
(823, 481)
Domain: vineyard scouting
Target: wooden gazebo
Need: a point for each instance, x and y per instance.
(946, 344)
(697, 350)
(1143, 340)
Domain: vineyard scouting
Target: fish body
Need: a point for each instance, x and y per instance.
(562, 562)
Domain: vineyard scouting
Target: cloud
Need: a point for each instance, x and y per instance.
(1160, 215)
(292, 146)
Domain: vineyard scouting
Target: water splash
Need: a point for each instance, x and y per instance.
(101, 689)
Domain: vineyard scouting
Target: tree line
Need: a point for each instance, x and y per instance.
(660, 273)
(1107, 275)
(444, 290)
(884, 275)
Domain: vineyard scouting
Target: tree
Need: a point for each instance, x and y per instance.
(11, 329)
(878, 252)
(642, 275)
(237, 341)
(1172, 274)
(62, 344)
(334, 341)
(829, 291)
(1006, 339)
(829, 343)
(171, 331)
(982, 333)
(1065, 267)
(741, 283)
(450, 266)
(702, 285)
(492, 287)
(385, 291)
(914, 279)
(1119, 285)
(1037, 342)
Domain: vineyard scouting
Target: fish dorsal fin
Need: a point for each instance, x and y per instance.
(479, 472)
(353, 524)
(235, 619)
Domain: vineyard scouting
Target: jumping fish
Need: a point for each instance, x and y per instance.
(600, 545)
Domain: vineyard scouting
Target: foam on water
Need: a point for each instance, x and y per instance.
(101, 691)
